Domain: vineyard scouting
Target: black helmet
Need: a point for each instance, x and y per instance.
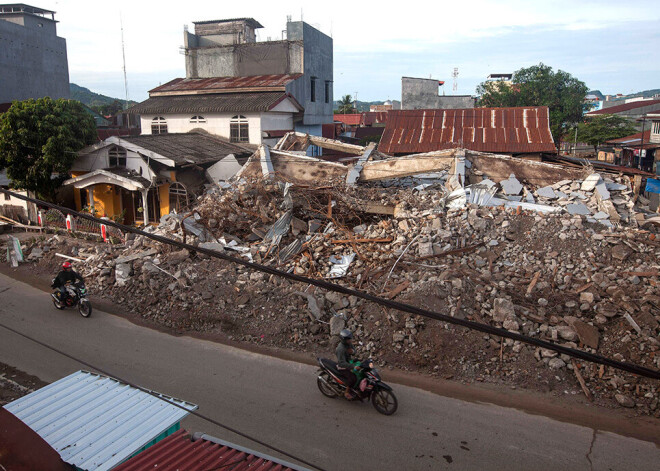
(345, 334)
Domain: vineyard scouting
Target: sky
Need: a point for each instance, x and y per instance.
(610, 45)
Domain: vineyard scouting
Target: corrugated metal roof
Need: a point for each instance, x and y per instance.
(95, 422)
(503, 130)
(349, 119)
(369, 118)
(178, 453)
(185, 148)
(632, 139)
(221, 84)
(220, 103)
(625, 107)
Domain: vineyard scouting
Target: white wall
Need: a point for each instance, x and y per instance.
(100, 159)
(14, 201)
(272, 121)
(216, 123)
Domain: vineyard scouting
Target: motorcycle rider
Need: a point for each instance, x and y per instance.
(66, 275)
(345, 353)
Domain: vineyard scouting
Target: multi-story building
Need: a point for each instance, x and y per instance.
(244, 89)
(421, 93)
(33, 60)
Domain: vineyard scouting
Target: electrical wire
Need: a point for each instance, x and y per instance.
(158, 396)
(473, 325)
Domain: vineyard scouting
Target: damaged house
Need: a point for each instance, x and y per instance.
(138, 179)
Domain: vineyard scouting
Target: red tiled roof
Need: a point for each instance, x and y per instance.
(225, 84)
(369, 118)
(505, 130)
(349, 119)
(178, 452)
(625, 107)
(632, 139)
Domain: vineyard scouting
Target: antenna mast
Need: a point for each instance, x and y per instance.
(123, 55)
(455, 76)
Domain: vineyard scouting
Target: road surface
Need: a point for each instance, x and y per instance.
(277, 401)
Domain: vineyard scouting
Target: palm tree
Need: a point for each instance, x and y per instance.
(346, 105)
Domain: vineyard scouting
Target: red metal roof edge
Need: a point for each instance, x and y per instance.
(199, 455)
(352, 119)
(622, 140)
(624, 107)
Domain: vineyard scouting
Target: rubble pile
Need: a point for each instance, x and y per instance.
(572, 275)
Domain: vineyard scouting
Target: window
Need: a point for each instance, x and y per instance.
(117, 157)
(198, 120)
(238, 129)
(158, 125)
(313, 88)
(327, 91)
(656, 127)
(7, 197)
(178, 197)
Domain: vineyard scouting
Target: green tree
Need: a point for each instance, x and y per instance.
(109, 109)
(346, 105)
(602, 128)
(539, 85)
(39, 140)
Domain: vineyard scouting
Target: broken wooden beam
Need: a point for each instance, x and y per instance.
(361, 241)
(583, 385)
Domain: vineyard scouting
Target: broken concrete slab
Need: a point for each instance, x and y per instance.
(578, 209)
(135, 256)
(546, 192)
(511, 186)
(601, 215)
(616, 186)
(590, 182)
(601, 189)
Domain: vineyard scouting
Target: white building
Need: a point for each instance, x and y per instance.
(250, 110)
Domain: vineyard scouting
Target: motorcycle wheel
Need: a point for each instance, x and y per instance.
(85, 308)
(326, 390)
(57, 304)
(384, 401)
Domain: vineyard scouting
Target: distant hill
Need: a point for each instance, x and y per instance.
(362, 105)
(94, 100)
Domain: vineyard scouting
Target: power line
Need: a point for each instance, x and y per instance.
(473, 325)
(152, 393)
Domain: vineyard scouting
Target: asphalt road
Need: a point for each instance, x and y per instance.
(277, 401)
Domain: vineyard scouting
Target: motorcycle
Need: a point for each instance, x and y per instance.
(369, 387)
(76, 295)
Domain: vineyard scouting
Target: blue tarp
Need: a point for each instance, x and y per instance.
(652, 185)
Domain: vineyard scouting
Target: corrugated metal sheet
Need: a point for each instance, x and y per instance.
(95, 422)
(503, 130)
(625, 107)
(369, 118)
(633, 139)
(349, 119)
(218, 84)
(178, 453)
(221, 103)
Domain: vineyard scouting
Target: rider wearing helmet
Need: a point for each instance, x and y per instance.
(67, 275)
(344, 356)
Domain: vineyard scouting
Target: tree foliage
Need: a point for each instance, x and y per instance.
(539, 85)
(39, 140)
(602, 128)
(109, 109)
(346, 105)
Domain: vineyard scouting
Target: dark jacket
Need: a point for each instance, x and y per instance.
(64, 277)
(344, 356)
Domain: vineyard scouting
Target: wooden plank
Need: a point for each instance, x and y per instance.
(584, 287)
(533, 283)
(583, 385)
(361, 241)
(396, 291)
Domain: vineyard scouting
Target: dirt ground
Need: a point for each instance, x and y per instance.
(15, 384)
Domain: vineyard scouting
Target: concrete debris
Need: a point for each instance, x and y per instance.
(538, 259)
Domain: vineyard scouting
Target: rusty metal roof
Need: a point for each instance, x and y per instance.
(633, 139)
(352, 119)
(501, 130)
(179, 452)
(225, 84)
(218, 103)
(625, 107)
(369, 118)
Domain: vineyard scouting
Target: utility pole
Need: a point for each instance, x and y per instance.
(355, 102)
(641, 144)
(123, 55)
(575, 142)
